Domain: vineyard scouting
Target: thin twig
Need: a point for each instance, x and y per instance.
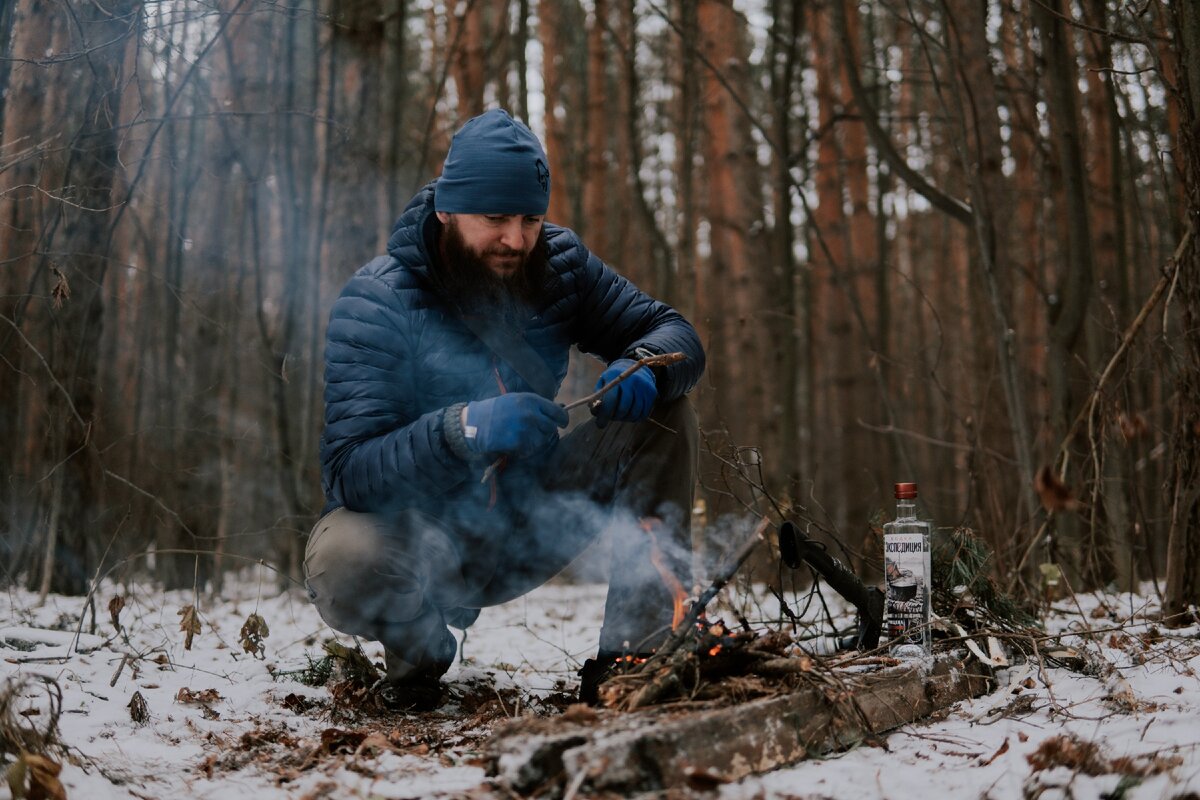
(594, 398)
(649, 361)
(1130, 333)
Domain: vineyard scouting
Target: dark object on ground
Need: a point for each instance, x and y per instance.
(596, 671)
(654, 749)
(592, 674)
(796, 548)
(417, 694)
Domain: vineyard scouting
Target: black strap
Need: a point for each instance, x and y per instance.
(516, 352)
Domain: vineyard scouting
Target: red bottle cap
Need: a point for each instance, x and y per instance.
(906, 491)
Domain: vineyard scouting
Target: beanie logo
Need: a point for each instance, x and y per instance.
(543, 176)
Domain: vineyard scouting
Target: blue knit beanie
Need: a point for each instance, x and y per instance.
(495, 166)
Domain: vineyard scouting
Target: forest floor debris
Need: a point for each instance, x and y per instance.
(142, 716)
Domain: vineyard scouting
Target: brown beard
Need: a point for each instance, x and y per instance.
(467, 280)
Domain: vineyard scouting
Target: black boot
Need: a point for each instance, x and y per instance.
(415, 687)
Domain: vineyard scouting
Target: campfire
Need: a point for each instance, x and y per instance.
(716, 702)
(698, 651)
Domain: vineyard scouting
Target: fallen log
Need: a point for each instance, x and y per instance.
(657, 748)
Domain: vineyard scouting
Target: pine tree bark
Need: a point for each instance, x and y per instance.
(1073, 284)
(34, 28)
(554, 71)
(981, 151)
(467, 59)
(597, 181)
(686, 125)
(733, 300)
(1183, 548)
(828, 247)
(84, 232)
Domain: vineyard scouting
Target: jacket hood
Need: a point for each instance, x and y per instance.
(411, 237)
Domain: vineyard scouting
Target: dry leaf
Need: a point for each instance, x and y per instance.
(139, 712)
(43, 778)
(1053, 493)
(254, 630)
(189, 624)
(1132, 427)
(61, 290)
(1003, 749)
(579, 712)
(16, 778)
(114, 610)
(186, 695)
(336, 740)
(378, 742)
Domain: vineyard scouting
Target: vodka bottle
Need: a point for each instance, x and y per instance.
(907, 575)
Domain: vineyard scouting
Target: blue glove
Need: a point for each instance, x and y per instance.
(519, 424)
(631, 400)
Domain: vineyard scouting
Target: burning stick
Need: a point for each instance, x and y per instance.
(593, 399)
(678, 593)
(668, 661)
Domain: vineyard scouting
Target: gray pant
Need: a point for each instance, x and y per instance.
(400, 580)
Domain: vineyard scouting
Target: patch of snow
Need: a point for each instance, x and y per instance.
(1139, 698)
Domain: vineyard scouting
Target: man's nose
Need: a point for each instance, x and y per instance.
(510, 234)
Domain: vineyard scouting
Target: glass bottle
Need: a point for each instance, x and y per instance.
(907, 577)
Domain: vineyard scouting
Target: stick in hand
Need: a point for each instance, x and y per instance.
(593, 399)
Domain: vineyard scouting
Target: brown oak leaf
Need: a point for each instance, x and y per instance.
(189, 624)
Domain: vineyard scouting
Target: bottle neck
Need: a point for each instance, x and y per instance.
(906, 509)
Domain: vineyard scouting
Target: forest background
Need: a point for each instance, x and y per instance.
(948, 241)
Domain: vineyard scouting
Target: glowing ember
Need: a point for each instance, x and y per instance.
(678, 594)
(713, 651)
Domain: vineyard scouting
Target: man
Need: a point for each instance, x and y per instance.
(449, 487)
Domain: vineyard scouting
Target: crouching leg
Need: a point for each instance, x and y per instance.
(394, 580)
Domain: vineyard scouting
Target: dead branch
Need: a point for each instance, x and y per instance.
(1130, 334)
(593, 399)
(649, 361)
(671, 668)
(27, 723)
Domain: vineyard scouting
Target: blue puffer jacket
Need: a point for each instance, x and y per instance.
(396, 356)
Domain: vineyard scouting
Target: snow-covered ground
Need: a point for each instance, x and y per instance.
(225, 724)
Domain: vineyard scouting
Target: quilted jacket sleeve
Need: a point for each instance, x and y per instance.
(616, 318)
(378, 452)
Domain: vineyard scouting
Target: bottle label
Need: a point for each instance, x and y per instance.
(905, 557)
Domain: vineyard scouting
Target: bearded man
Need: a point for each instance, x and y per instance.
(449, 486)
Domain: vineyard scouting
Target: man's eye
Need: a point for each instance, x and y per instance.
(493, 218)
(533, 220)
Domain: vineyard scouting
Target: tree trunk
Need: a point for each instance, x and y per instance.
(784, 428)
(76, 321)
(827, 302)
(686, 126)
(467, 58)
(597, 186)
(992, 202)
(1183, 549)
(1073, 285)
(34, 28)
(554, 74)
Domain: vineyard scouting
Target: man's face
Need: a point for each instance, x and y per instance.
(492, 262)
(501, 242)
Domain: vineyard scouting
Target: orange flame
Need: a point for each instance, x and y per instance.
(679, 595)
(714, 650)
